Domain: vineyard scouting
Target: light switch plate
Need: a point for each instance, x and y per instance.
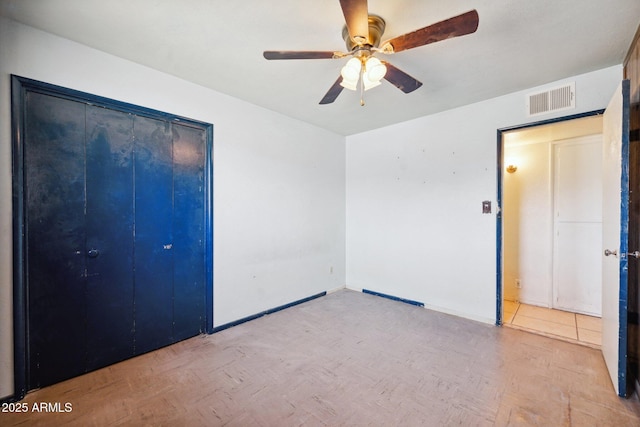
(486, 207)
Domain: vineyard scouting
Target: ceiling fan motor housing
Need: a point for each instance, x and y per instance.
(376, 29)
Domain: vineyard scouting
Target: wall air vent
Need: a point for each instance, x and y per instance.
(555, 99)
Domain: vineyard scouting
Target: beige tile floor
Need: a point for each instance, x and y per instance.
(346, 359)
(567, 326)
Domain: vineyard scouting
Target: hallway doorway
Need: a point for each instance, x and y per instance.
(551, 228)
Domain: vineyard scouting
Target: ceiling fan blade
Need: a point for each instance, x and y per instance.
(356, 15)
(333, 92)
(400, 79)
(460, 25)
(290, 54)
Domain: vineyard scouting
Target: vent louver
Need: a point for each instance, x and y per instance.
(555, 99)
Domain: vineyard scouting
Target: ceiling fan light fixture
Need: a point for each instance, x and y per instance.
(351, 74)
(349, 84)
(362, 34)
(368, 83)
(375, 69)
(351, 70)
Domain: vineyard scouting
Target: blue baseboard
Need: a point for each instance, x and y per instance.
(264, 313)
(406, 301)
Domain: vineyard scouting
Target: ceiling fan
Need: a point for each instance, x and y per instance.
(362, 34)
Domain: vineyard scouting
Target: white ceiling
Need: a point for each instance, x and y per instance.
(219, 43)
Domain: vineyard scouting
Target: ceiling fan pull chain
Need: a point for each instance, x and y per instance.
(362, 85)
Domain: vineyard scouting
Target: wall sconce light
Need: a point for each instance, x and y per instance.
(512, 168)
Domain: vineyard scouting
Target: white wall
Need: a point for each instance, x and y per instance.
(414, 192)
(279, 191)
(527, 224)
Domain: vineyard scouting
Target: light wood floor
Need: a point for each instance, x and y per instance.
(348, 359)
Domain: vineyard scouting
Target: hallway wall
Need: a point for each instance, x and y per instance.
(527, 222)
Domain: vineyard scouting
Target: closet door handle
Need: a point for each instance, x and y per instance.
(607, 252)
(635, 254)
(93, 253)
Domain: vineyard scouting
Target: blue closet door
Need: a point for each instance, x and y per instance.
(169, 232)
(109, 236)
(153, 234)
(55, 237)
(188, 230)
(115, 229)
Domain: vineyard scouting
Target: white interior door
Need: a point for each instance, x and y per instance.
(577, 284)
(615, 223)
